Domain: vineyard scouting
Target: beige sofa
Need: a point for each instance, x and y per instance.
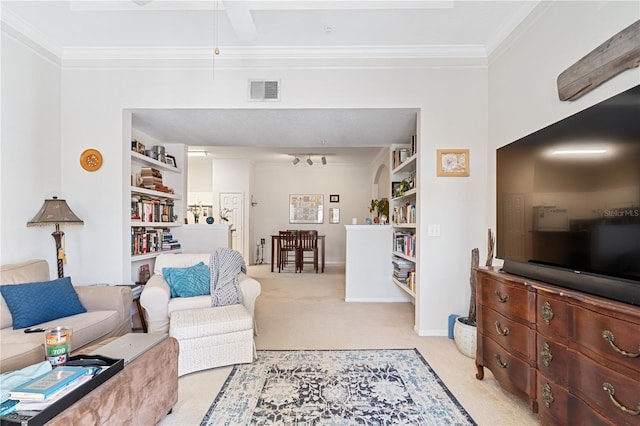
(108, 314)
(156, 296)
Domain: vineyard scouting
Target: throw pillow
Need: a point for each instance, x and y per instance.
(188, 282)
(34, 303)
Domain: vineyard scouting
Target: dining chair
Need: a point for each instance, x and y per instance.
(308, 245)
(288, 248)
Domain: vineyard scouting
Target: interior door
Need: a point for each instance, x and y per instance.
(232, 203)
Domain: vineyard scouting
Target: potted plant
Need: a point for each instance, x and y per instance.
(464, 329)
(381, 207)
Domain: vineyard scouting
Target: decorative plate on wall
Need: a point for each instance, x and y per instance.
(91, 159)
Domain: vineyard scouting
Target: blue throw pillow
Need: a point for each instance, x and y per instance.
(188, 282)
(35, 303)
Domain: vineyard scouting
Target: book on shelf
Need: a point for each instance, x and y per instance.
(149, 209)
(404, 214)
(405, 243)
(46, 385)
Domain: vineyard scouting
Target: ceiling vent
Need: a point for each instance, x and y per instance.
(264, 90)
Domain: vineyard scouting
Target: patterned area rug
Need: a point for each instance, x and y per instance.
(336, 387)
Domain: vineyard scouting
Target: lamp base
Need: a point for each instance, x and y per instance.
(57, 236)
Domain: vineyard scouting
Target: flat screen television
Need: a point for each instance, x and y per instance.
(568, 201)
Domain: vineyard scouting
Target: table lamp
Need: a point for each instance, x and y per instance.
(55, 212)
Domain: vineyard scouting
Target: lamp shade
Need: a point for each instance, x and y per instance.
(55, 211)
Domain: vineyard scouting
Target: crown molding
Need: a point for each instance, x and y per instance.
(29, 35)
(530, 18)
(503, 32)
(276, 52)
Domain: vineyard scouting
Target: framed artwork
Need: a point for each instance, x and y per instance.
(334, 215)
(171, 160)
(395, 189)
(306, 208)
(453, 162)
(333, 198)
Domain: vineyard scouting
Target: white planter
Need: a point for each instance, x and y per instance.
(465, 337)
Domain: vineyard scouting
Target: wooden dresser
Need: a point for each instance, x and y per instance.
(575, 358)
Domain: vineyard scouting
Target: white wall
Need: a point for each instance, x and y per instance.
(30, 155)
(275, 182)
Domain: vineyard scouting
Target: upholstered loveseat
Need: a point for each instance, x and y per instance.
(156, 296)
(108, 314)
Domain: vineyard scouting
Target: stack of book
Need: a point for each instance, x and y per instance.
(168, 243)
(42, 391)
(152, 179)
(402, 270)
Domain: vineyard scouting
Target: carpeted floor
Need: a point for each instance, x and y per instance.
(336, 387)
(308, 311)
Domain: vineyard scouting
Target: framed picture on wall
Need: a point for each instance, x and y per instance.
(306, 208)
(334, 198)
(334, 215)
(453, 162)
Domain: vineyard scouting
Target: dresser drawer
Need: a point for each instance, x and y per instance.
(590, 382)
(581, 414)
(607, 337)
(512, 300)
(512, 336)
(513, 374)
(551, 359)
(551, 315)
(552, 401)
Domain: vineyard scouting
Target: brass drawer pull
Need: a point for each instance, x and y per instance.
(500, 331)
(547, 313)
(500, 363)
(501, 299)
(608, 388)
(608, 336)
(546, 354)
(547, 395)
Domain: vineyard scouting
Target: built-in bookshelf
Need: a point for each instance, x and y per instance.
(404, 215)
(155, 207)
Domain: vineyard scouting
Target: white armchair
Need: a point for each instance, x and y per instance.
(156, 296)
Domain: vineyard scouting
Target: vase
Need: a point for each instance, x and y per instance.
(465, 337)
(196, 219)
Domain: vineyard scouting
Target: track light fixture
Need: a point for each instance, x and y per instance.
(296, 158)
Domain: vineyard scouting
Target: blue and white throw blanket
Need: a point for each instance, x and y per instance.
(225, 265)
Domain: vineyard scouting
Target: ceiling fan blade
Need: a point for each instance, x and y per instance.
(241, 20)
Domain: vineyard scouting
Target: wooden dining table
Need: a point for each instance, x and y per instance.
(275, 250)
